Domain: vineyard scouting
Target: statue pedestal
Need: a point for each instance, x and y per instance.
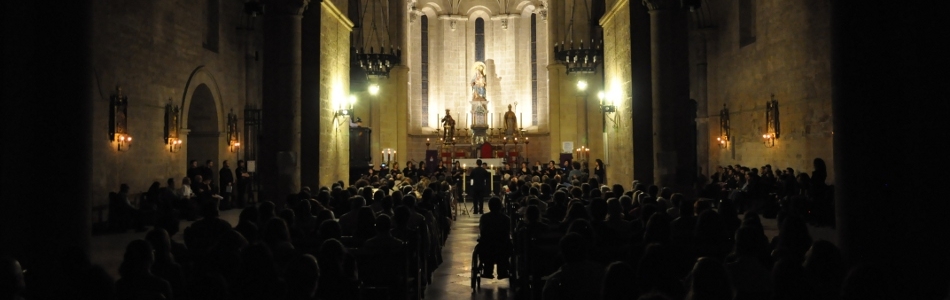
(479, 134)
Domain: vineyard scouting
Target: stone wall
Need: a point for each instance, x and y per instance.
(618, 77)
(156, 52)
(335, 90)
(789, 58)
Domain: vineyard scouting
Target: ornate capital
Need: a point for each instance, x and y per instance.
(661, 4)
(288, 7)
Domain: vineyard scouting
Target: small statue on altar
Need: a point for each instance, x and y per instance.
(448, 126)
(511, 122)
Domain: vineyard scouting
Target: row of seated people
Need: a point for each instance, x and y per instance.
(609, 243)
(162, 206)
(764, 190)
(386, 247)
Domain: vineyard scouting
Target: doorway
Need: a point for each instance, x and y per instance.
(204, 135)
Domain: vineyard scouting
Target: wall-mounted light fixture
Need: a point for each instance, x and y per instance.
(581, 85)
(606, 103)
(772, 125)
(171, 128)
(233, 133)
(118, 120)
(344, 108)
(724, 127)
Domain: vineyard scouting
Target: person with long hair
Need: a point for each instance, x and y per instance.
(137, 278)
(600, 171)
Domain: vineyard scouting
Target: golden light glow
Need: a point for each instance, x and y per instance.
(374, 89)
(582, 85)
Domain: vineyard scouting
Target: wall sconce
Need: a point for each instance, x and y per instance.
(772, 128)
(344, 110)
(724, 127)
(118, 120)
(171, 128)
(606, 105)
(233, 132)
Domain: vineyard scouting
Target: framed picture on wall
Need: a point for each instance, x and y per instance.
(567, 147)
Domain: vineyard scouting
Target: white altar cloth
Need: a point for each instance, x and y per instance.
(470, 162)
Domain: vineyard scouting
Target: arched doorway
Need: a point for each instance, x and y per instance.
(203, 135)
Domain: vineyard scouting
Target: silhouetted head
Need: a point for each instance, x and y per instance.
(658, 229)
(573, 248)
(275, 231)
(383, 224)
(11, 278)
(790, 281)
(330, 229)
(617, 279)
(709, 280)
(249, 214)
(160, 242)
(302, 275)
(137, 260)
(532, 214)
(576, 211)
(494, 204)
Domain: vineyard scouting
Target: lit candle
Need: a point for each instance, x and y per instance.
(521, 118)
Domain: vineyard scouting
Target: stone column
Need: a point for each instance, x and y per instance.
(889, 118)
(641, 94)
(282, 88)
(669, 64)
(698, 92)
(310, 139)
(44, 215)
(556, 72)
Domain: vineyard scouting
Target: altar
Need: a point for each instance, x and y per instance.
(470, 162)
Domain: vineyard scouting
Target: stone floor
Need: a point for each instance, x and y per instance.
(450, 281)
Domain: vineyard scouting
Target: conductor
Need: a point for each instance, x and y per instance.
(480, 178)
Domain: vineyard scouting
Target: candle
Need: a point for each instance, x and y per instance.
(491, 120)
(491, 179)
(521, 118)
(464, 183)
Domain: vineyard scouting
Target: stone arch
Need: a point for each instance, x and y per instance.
(435, 7)
(199, 76)
(524, 6)
(477, 11)
(202, 118)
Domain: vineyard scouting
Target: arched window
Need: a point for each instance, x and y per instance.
(425, 70)
(479, 39)
(534, 69)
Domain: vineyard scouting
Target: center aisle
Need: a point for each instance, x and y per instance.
(452, 280)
